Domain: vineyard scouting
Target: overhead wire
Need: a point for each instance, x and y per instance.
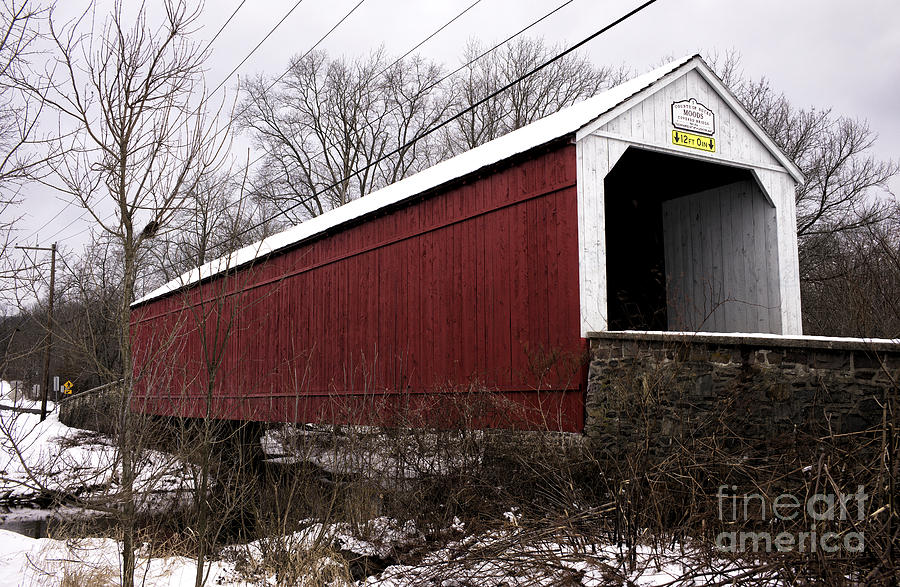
(234, 70)
(322, 39)
(205, 99)
(370, 123)
(258, 45)
(71, 202)
(429, 37)
(458, 115)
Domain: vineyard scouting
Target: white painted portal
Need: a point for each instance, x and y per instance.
(757, 269)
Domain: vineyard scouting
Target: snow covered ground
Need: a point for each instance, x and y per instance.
(90, 561)
(495, 559)
(50, 458)
(40, 457)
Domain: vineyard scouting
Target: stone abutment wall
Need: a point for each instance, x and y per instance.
(656, 392)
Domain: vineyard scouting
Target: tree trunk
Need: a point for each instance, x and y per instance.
(127, 437)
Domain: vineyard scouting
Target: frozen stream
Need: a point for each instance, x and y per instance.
(41, 522)
(31, 522)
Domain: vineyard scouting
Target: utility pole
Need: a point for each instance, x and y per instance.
(46, 385)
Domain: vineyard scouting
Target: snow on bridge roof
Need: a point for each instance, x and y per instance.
(540, 132)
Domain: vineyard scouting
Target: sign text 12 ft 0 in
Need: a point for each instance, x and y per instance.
(686, 139)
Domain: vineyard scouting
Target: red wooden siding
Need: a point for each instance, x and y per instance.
(475, 286)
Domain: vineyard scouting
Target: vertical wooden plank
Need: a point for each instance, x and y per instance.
(668, 261)
(347, 310)
(437, 303)
(614, 126)
(331, 355)
(773, 270)
(447, 294)
(480, 347)
(532, 301)
(637, 122)
(703, 257)
(399, 310)
(714, 225)
(316, 298)
(469, 294)
(662, 116)
(592, 238)
(459, 311)
(502, 312)
(519, 285)
(567, 257)
(414, 320)
(359, 271)
(648, 112)
(384, 362)
(489, 284)
(555, 298)
(696, 298)
(686, 291)
(750, 268)
(759, 259)
(584, 150)
(430, 302)
(738, 252)
(675, 269)
(543, 271)
(726, 263)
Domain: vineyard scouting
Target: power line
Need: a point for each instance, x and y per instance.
(222, 28)
(222, 83)
(368, 124)
(63, 229)
(258, 45)
(70, 202)
(317, 43)
(441, 80)
(235, 69)
(458, 115)
(47, 223)
(432, 35)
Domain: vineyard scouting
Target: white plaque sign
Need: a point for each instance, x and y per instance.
(694, 116)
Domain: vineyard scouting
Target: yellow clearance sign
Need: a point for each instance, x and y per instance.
(686, 139)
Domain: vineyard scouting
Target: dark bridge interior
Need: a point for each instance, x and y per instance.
(635, 190)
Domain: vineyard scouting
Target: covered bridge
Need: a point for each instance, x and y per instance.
(660, 204)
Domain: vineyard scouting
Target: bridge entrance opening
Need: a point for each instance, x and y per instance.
(691, 245)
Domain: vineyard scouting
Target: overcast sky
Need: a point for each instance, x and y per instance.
(822, 53)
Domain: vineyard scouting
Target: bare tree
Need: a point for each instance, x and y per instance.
(565, 82)
(86, 319)
(846, 183)
(855, 290)
(214, 219)
(843, 209)
(22, 155)
(326, 125)
(136, 141)
(9, 269)
(20, 107)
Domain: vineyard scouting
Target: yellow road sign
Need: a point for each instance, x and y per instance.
(686, 139)
(67, 387)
